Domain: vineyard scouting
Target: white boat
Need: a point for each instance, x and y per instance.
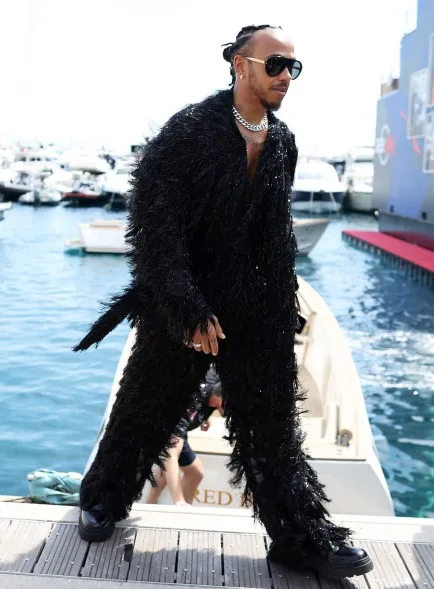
(86, 192)
(76, 159)
(307, 233)
(108, 237)
(62, 180)
(101, 237)
(338, 434)
(317, 188)
(360, 198)
(13, 184)
(41, 197)
(358, 179)
(34, 162)
(117, 185)
(118, 181)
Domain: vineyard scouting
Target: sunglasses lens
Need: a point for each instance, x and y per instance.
(275, 66)
(295, 69)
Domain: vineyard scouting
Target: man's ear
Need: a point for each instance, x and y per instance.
(239, 64)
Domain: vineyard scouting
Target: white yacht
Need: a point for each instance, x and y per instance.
(317, 188)
(116, 186)
(358, 179)
(77, 159)
(338, 434)
(34, 162)
(13, 184)
(62, 180)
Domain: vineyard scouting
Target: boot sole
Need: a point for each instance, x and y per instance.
(329, 570)
(92, 535)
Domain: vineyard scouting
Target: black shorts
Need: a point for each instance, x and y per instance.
(187, 455)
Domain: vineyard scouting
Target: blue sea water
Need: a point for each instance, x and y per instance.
(52, 400)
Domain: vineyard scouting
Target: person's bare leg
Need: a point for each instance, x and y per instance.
(192, 477)
(155, 492)
(172, 474)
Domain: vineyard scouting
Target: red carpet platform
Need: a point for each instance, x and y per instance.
(417, 261)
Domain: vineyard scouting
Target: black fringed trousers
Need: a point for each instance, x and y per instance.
(157, 389)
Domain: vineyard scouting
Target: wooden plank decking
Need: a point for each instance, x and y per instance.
(160, 546)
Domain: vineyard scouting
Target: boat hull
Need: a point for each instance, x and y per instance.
(12, 192)
(77, 199)
(307, 233)
(116, 201)
(343, 480)
(317, 203)
(103, 237)
(359, 202)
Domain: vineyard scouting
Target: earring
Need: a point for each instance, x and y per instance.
(241, 76)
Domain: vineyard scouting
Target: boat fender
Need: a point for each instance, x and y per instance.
(344, 437)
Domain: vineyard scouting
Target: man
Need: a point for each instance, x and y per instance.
(182, 457)
(213, 279)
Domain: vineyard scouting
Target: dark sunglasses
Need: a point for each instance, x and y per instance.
(276, 64)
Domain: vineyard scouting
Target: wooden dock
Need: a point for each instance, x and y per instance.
(204, 547)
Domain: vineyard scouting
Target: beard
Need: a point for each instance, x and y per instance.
(273, 106)
(262, 96)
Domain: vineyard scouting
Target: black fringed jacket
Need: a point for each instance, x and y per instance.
(204, 239)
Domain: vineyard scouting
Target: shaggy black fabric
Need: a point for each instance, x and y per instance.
(207, 241)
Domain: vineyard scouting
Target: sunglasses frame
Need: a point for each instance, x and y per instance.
(264, 62)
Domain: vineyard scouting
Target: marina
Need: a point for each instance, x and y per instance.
(363, 222)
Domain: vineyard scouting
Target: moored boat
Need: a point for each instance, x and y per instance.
(338, 434)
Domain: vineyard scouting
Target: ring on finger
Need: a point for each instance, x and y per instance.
(197, 346)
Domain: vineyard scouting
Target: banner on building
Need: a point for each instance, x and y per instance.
(417, 101)
(428, 153)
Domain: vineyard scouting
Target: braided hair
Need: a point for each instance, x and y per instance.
(242, 40)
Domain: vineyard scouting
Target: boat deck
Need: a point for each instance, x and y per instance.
(417, 261)
(204, 547)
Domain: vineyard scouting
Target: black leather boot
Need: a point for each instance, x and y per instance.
(343, 562)
(96, 524)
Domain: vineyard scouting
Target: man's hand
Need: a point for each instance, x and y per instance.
(205, 426)
(208, 342)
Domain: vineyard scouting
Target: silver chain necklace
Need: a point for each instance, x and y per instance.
(263, 125)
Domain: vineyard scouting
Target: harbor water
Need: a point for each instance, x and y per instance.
(52, 400)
